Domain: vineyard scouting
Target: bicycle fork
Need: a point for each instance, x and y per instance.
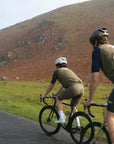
(50, 116)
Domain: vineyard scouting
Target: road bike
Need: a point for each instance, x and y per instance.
(96, 131)
(49, 114)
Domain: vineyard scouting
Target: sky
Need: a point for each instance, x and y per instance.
(16, 11)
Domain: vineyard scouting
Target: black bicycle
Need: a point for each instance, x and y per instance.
(99, 133)
(48, 115)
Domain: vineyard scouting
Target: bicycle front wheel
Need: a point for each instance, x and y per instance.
(77, 129)
(47, 117)
(100, 135)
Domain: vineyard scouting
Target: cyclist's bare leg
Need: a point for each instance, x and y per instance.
(60, 111)
(74, 109)
(77, 118)
(110, 122)
(59, 104)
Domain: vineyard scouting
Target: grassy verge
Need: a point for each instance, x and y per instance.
(23, 98)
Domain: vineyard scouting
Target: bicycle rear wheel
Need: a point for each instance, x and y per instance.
(48, 115)
(99, 136)
(76, 131)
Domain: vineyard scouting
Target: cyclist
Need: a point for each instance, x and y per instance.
(71, 82)
(102, 58)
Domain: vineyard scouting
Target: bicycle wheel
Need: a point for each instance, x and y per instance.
(48, 115)
(76, 131)
(99, 136)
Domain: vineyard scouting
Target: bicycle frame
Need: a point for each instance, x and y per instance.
(75, 124)
(102, 124)
(65, 126)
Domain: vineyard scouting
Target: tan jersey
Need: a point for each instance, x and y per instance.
(107, 60)
(67, 77)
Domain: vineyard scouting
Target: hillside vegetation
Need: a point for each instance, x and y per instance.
(28, 50)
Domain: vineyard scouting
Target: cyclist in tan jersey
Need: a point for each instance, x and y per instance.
(70, 82)
(102, 58)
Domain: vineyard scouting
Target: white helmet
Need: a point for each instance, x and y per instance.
(61, 60)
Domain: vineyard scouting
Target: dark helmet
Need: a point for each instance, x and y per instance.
(97, 34)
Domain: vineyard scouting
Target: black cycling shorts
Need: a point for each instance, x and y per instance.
(110, 102)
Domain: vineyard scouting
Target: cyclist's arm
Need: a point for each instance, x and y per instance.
(94, 75)
(58, 92)
(93, 84)
(50, 87)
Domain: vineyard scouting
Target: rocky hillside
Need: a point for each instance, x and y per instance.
(28, 50)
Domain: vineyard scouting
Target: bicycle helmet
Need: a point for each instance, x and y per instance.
(61, 60)
(97, 34)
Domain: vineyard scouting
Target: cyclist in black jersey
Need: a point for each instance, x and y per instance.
(102, 58)
(72, 84)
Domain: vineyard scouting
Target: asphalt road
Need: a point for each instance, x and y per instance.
(18, 130)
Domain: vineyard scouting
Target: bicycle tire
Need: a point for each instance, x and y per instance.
(104, 139)
(47, 116)
(76, 132)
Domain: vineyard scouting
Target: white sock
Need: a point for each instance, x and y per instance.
(77, 122)
(61, 114)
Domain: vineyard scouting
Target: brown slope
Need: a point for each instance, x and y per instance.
(31, 43)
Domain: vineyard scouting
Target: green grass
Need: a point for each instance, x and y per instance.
(23, 98)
